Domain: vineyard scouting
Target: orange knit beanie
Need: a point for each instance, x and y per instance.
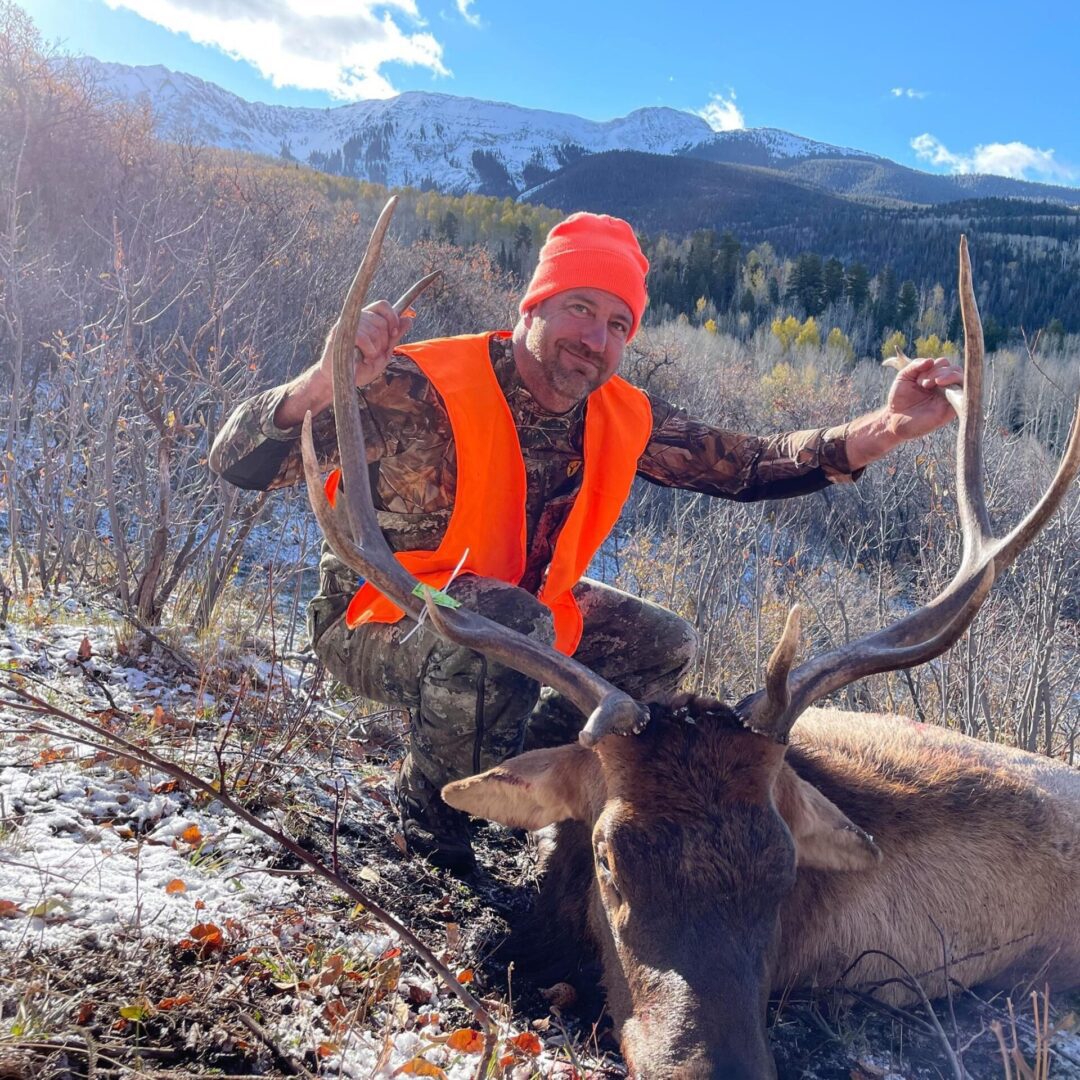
(592, 251)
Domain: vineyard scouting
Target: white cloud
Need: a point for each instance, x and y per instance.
(722, 113)
(908, 92)
(338, 46)
(1014, 159)
(464, 9)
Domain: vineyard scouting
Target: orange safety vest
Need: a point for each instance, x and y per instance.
(488, 517)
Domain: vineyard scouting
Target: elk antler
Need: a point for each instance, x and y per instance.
(930, 630)
(360, 544)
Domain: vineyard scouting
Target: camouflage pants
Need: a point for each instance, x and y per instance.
(468, 713)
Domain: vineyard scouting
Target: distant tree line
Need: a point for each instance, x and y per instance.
(710, 276)
(1026, 254)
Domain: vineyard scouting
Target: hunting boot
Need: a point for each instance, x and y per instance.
(436, 832)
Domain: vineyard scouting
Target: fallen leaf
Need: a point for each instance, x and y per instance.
(9, 909)
(85, 649)
(527, 1042)
(1068, 1023)
(175, 1002)
(138, 1012)
(418, 995)
(324, 1050)
(467, 1040)
(207, 938)
(46, 907)
(419, 1067)
(49, 755)
(192, 835)
(335, 1013)
(465, 977)
(85, 1013)
(175, 886)
(332, 969)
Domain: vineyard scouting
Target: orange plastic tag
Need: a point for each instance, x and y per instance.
(331, 486)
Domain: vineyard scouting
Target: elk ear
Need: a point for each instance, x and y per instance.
(531, 790)
(825, 838)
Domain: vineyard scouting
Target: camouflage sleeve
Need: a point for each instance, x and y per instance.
(251, 451)
(688, 453)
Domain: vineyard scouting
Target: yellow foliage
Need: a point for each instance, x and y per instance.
(790, 332)
(785, 382)
(710, 325)
(932, 345)
(839, 342)
(895, 343)
(785, 331)
(809, 334)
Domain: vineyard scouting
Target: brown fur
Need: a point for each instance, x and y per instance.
(905, 836)
(979, 842)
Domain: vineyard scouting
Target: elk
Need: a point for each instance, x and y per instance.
(714, 854)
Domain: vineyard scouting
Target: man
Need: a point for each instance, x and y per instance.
(478, 444)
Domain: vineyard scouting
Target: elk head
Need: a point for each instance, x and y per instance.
(696, 825)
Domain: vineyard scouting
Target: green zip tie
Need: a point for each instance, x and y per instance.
(438, 597)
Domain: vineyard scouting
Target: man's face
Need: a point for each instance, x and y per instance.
(574, 342)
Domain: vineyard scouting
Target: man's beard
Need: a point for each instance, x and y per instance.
(550, 355)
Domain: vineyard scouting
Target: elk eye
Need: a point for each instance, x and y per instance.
(603, 868)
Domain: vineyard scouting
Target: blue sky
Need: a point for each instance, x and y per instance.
(945, 86)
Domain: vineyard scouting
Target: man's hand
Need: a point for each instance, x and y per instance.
(915, 405)
(378, 332)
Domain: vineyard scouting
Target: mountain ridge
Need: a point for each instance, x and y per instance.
(434, 140)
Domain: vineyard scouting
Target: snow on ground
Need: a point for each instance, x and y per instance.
(106, 854)
(100, 855)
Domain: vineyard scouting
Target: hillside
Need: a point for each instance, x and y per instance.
(1030, 251)
(844, 171)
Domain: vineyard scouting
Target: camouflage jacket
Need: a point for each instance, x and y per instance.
(410, 453)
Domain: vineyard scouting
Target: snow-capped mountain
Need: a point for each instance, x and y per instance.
(419, 139)
(770, 147)
(459, 145)
(435, 140)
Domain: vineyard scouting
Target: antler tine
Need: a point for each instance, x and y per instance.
(928, 632)
(366, 551)
(402, 303)
(970, 498)
(774, 703)
(610, 711)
